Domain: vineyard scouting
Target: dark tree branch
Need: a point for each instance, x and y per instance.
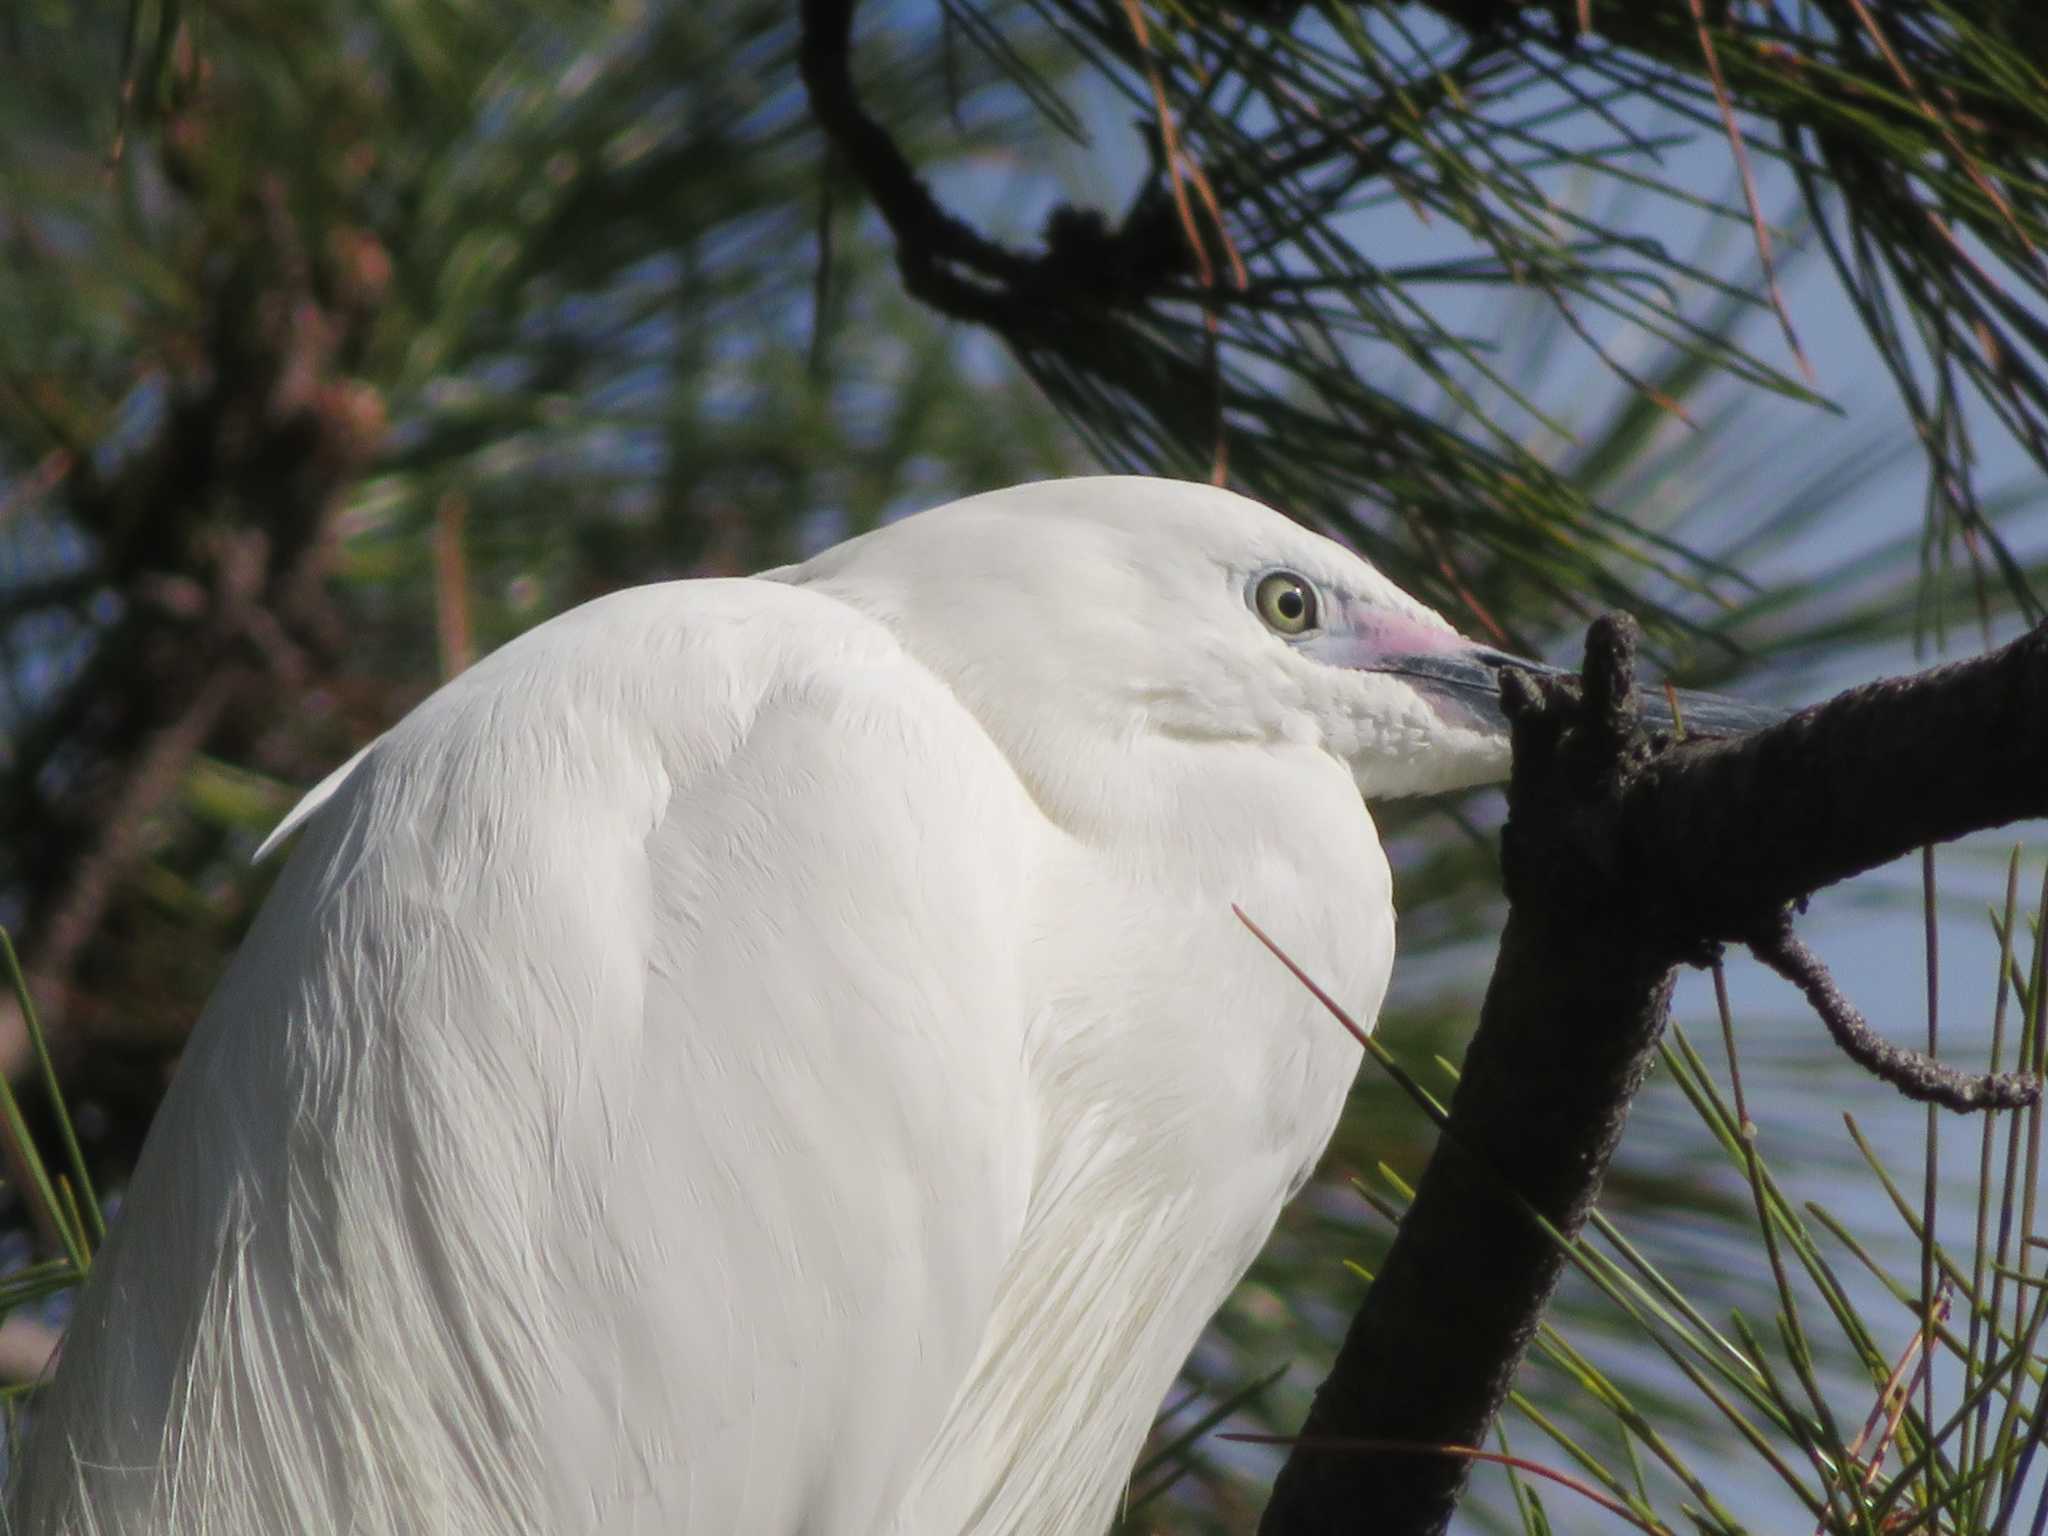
(1916, 1075)
(1624, 856)
(935, 248)
(944, 260)
(1724, 834)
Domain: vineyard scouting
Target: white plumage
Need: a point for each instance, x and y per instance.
(774, 1057)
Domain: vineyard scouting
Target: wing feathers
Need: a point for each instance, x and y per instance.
(613, 1122)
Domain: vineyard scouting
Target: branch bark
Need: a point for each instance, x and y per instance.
(1624, 858)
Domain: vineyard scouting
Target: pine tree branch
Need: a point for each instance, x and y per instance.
(941, 256)
(947, 262)
(1624, 858)
(1665, 33)
(1913, 1073)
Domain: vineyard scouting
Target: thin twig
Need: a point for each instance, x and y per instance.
(1912, 1073)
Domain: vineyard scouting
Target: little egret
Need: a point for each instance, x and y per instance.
(775, 1057)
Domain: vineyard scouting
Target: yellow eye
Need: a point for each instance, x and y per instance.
(1286, 602)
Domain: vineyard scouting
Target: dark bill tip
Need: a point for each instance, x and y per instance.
(1466, 684)
(1705, 714)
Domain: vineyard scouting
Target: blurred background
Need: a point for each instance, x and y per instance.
(341, 342)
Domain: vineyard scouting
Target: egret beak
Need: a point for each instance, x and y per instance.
(1465, 683)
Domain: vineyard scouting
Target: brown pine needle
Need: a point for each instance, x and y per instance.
(1169, 135)
(1362, 1035)
(1183, 171)
(1449, 571)
(1577, 1485)
(1889, 1411)
(1941, 124)
(1742, 166)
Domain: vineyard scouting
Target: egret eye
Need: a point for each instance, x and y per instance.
(1286, 602)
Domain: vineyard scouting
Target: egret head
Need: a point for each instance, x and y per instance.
(1141, 608)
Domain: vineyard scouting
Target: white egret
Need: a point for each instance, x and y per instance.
(775, 1057)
